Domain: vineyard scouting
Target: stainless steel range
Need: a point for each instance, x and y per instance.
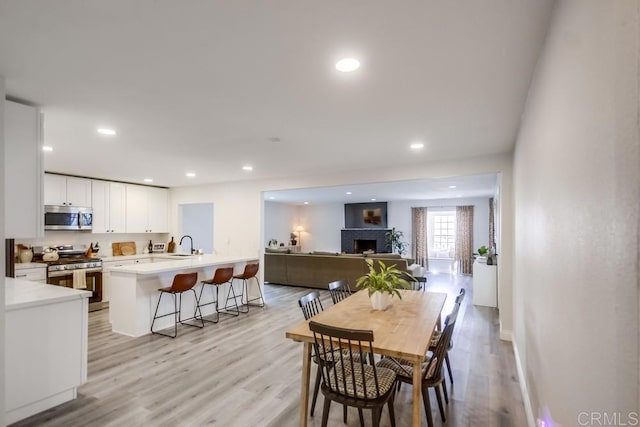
(74, 269)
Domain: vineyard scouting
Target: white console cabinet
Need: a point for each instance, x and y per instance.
(485, 290)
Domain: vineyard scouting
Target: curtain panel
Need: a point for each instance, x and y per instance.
(419, 249)
(492, 224)
(464, 239)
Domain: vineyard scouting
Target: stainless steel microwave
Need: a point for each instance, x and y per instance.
(67, 218)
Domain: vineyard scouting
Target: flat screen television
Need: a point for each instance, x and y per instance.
(365, 215)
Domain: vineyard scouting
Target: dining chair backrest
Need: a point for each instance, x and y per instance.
(310, 304)
(339, 290)
(460, 296)
(183, 282)
(434, 366)
(350, 376)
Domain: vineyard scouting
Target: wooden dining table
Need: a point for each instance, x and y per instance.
(403, 330)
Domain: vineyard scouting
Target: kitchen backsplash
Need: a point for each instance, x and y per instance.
(81, 240)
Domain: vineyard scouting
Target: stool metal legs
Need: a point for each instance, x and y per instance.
(178, 314)
(245, 293)
(227, 307)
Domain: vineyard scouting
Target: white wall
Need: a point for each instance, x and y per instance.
(576, 182)
(400, 216)
(2, 250)
(279, 221)
(239, 207)
(322, 224)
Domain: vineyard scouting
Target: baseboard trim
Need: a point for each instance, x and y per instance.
(528, 410)
(506, 335)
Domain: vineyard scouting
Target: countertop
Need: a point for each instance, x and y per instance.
(25, 265)
(163, 263)
(24, 293)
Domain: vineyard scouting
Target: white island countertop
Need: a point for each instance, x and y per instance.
(24, 293)
(166, 263)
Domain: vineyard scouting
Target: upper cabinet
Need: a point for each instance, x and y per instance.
(24, 217)
(146, 209)
(108, 202)
(67, 191)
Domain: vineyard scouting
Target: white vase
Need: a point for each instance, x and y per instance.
(380, 301)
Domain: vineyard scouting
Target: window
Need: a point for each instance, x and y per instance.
(442, 234)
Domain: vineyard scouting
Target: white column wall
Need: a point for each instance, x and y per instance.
(2, 251)
(577, 187)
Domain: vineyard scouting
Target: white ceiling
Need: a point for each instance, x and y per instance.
(465, 186)
(203, 86)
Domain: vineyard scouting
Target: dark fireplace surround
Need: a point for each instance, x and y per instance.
(362, 239)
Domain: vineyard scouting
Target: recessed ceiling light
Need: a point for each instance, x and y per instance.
(348, 192)
(306, 203)
(47, 148)
(373, 200)
(191, 174)
(347, 65)
(416, 145)
(247, 168)
(452, 186)
(148, 180)
(106, 131)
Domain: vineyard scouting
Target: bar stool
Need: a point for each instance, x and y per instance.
(250, 272)
(181, 283)
(220, 277)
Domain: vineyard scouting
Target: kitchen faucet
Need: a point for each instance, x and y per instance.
(191, 239)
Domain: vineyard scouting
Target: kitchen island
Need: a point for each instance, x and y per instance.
(45, 344)
(134, 290)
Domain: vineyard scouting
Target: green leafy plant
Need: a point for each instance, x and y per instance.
(394, 239)
(383, 278)
(482, 250)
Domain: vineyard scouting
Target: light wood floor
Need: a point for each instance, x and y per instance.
(243, 372)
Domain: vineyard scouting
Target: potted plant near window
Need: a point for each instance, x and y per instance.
(394, 239)
(382, 282)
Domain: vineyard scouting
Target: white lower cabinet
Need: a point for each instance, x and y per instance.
(33, 274)
(106, 274)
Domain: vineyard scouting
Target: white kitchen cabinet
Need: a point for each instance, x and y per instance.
(108, 201)
(63, 190)
(45, 346)
(24, 217)
(146, 209)
(157, 205)
(30, 273)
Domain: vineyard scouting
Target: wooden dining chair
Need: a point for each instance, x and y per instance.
(432, 372)
(339, 290)
(349, 380)
(436, 336)
(311, 305)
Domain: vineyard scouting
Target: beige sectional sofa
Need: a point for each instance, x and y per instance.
(317, 270)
